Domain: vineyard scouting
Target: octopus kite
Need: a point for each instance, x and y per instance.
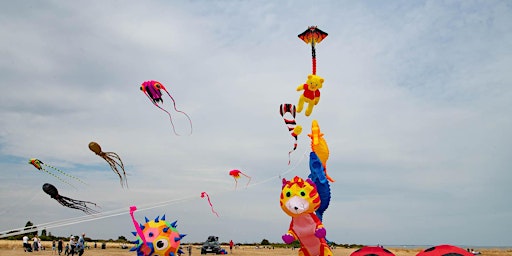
(152, 90)
(112, 159)
(236, 176)
(291, 124)
(68, 202)
(38, 164)
(203, 195)
(157, 237)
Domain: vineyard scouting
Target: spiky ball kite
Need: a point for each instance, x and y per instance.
(157, 237)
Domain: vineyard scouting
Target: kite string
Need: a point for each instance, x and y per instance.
(121, 211)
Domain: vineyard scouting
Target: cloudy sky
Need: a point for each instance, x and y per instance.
(416, 109)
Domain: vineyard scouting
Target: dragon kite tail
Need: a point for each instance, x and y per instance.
(317, 175)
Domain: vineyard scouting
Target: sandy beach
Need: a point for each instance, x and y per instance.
(14, 248)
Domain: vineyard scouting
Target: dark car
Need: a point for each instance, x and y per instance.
(211, 245)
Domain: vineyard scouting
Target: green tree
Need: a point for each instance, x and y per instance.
(30, 226)
(43, 232)
(265, 242)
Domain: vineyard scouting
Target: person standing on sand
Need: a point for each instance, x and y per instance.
(59, 246)
(72, 245)
(26, 244)
(35, 243)
(189, 248)
(81, 244)
(231, 246)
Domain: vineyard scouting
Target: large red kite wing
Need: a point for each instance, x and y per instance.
(444, 249)
(313, 34)
(373, 251)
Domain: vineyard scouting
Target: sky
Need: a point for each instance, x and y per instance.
(415, 108)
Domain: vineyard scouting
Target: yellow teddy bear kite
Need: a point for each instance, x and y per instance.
(311, 93)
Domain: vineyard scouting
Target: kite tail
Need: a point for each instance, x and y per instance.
(111, 157)
(291, 151)
(248, 177)
(65, 174)
(169, 114)
(291, 124)
(57, 177)
(174, 104)
(77, 204)
(313, 56)
(203, 194)
(322, 184)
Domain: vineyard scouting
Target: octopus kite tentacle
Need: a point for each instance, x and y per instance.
(113, 160)
(69, 202)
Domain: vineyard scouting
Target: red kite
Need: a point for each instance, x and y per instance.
(313, 35)
(372, 251)
(444, 250)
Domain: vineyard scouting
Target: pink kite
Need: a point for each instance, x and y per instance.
(152, 90)
(236, 176)
(203, 194)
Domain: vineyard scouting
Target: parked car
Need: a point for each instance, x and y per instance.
(211, 245)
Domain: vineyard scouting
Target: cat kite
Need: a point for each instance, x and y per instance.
(112, 159)
(203, 195)
(300, 199)
(38, 164)
(290, 123)
(236, 175)
(152, 90)
(68, 202)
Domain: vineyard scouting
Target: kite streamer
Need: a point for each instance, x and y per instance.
(291, 124)
(38, 164)
(203, 195)
(313, 35)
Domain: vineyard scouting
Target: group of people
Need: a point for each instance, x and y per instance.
(75, 246)
(35, 246)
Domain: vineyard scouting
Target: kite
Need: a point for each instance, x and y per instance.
(444, 249)
(291, 124)
(157, 237)
(236, 176)
(152, 90)
(112, 159)
(372, 250)
(68, 202)
(317, 175)
(319, 146)
(313, 35)
(311, 94)
(299, 200)
(38, 164)
(203, 195)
